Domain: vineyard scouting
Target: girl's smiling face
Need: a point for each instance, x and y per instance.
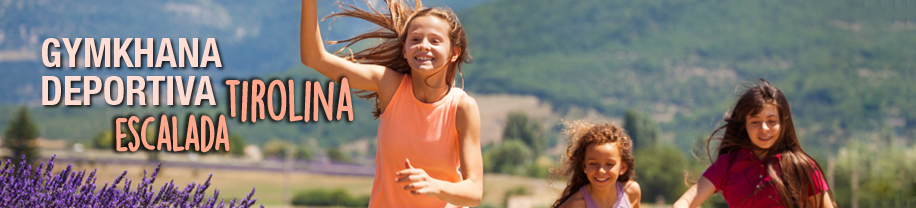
(428, 48)
(603, 165)
(764, 128)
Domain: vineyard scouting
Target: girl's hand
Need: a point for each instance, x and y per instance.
(417, 181)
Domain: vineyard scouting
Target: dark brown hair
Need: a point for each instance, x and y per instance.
(795, 167)
(393, 33)
(581, 136)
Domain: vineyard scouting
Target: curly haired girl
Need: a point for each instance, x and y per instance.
(601, 164)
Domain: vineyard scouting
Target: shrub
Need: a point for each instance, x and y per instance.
(324, 197)
(510, 157)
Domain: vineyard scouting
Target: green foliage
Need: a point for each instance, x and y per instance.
(510, 157)
(660, 172)
(104, 140)
(304, 153)
(536, 170)
(523, 141)
(278, 149)
(881, 182)
(641, 129)
(338, 156)
(237, 144)
(841, 71)
(689, 55)
(20, 138)
(324, 197)
(529, 131)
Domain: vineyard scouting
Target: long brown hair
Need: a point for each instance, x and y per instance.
(795, 167)
(581, 136)
(393, 33)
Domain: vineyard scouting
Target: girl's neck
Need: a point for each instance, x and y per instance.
(761, 154)
(429, 89)
(603, 198)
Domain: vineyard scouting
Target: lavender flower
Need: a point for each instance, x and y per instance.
(19, 187)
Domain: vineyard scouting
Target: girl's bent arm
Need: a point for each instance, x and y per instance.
(313, 54)
(469, 191)
(696, 195)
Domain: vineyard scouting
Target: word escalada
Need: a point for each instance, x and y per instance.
(202, 138)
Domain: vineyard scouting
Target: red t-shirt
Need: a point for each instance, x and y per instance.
(744, 181)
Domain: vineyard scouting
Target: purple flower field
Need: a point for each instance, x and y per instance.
(22, 187)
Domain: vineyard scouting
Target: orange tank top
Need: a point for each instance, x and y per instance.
(426, 134)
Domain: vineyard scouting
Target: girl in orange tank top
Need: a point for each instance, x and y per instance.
(428, 136)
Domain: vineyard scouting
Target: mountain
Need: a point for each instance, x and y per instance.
(844, 65)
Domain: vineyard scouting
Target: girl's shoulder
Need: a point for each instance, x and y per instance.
(633, 191)
(388, 85)
(390, 81)
(574, 201)
(467, 116)
(465, 101)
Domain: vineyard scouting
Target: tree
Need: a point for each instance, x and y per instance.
(660, 172)
(338, 156)
(510, 157)
(641, 129)
(20, 137)
(304, 152)
(874, 174)
(103, 140)
(276, 148)
(529, 131)
(237, 145)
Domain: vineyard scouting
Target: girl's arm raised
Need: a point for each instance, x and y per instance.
(313, 54)
(696, 195)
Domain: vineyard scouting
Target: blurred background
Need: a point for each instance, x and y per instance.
(667, 70)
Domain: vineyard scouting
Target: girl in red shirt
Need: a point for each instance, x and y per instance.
(760, 161)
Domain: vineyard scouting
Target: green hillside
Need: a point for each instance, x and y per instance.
(843, 64)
